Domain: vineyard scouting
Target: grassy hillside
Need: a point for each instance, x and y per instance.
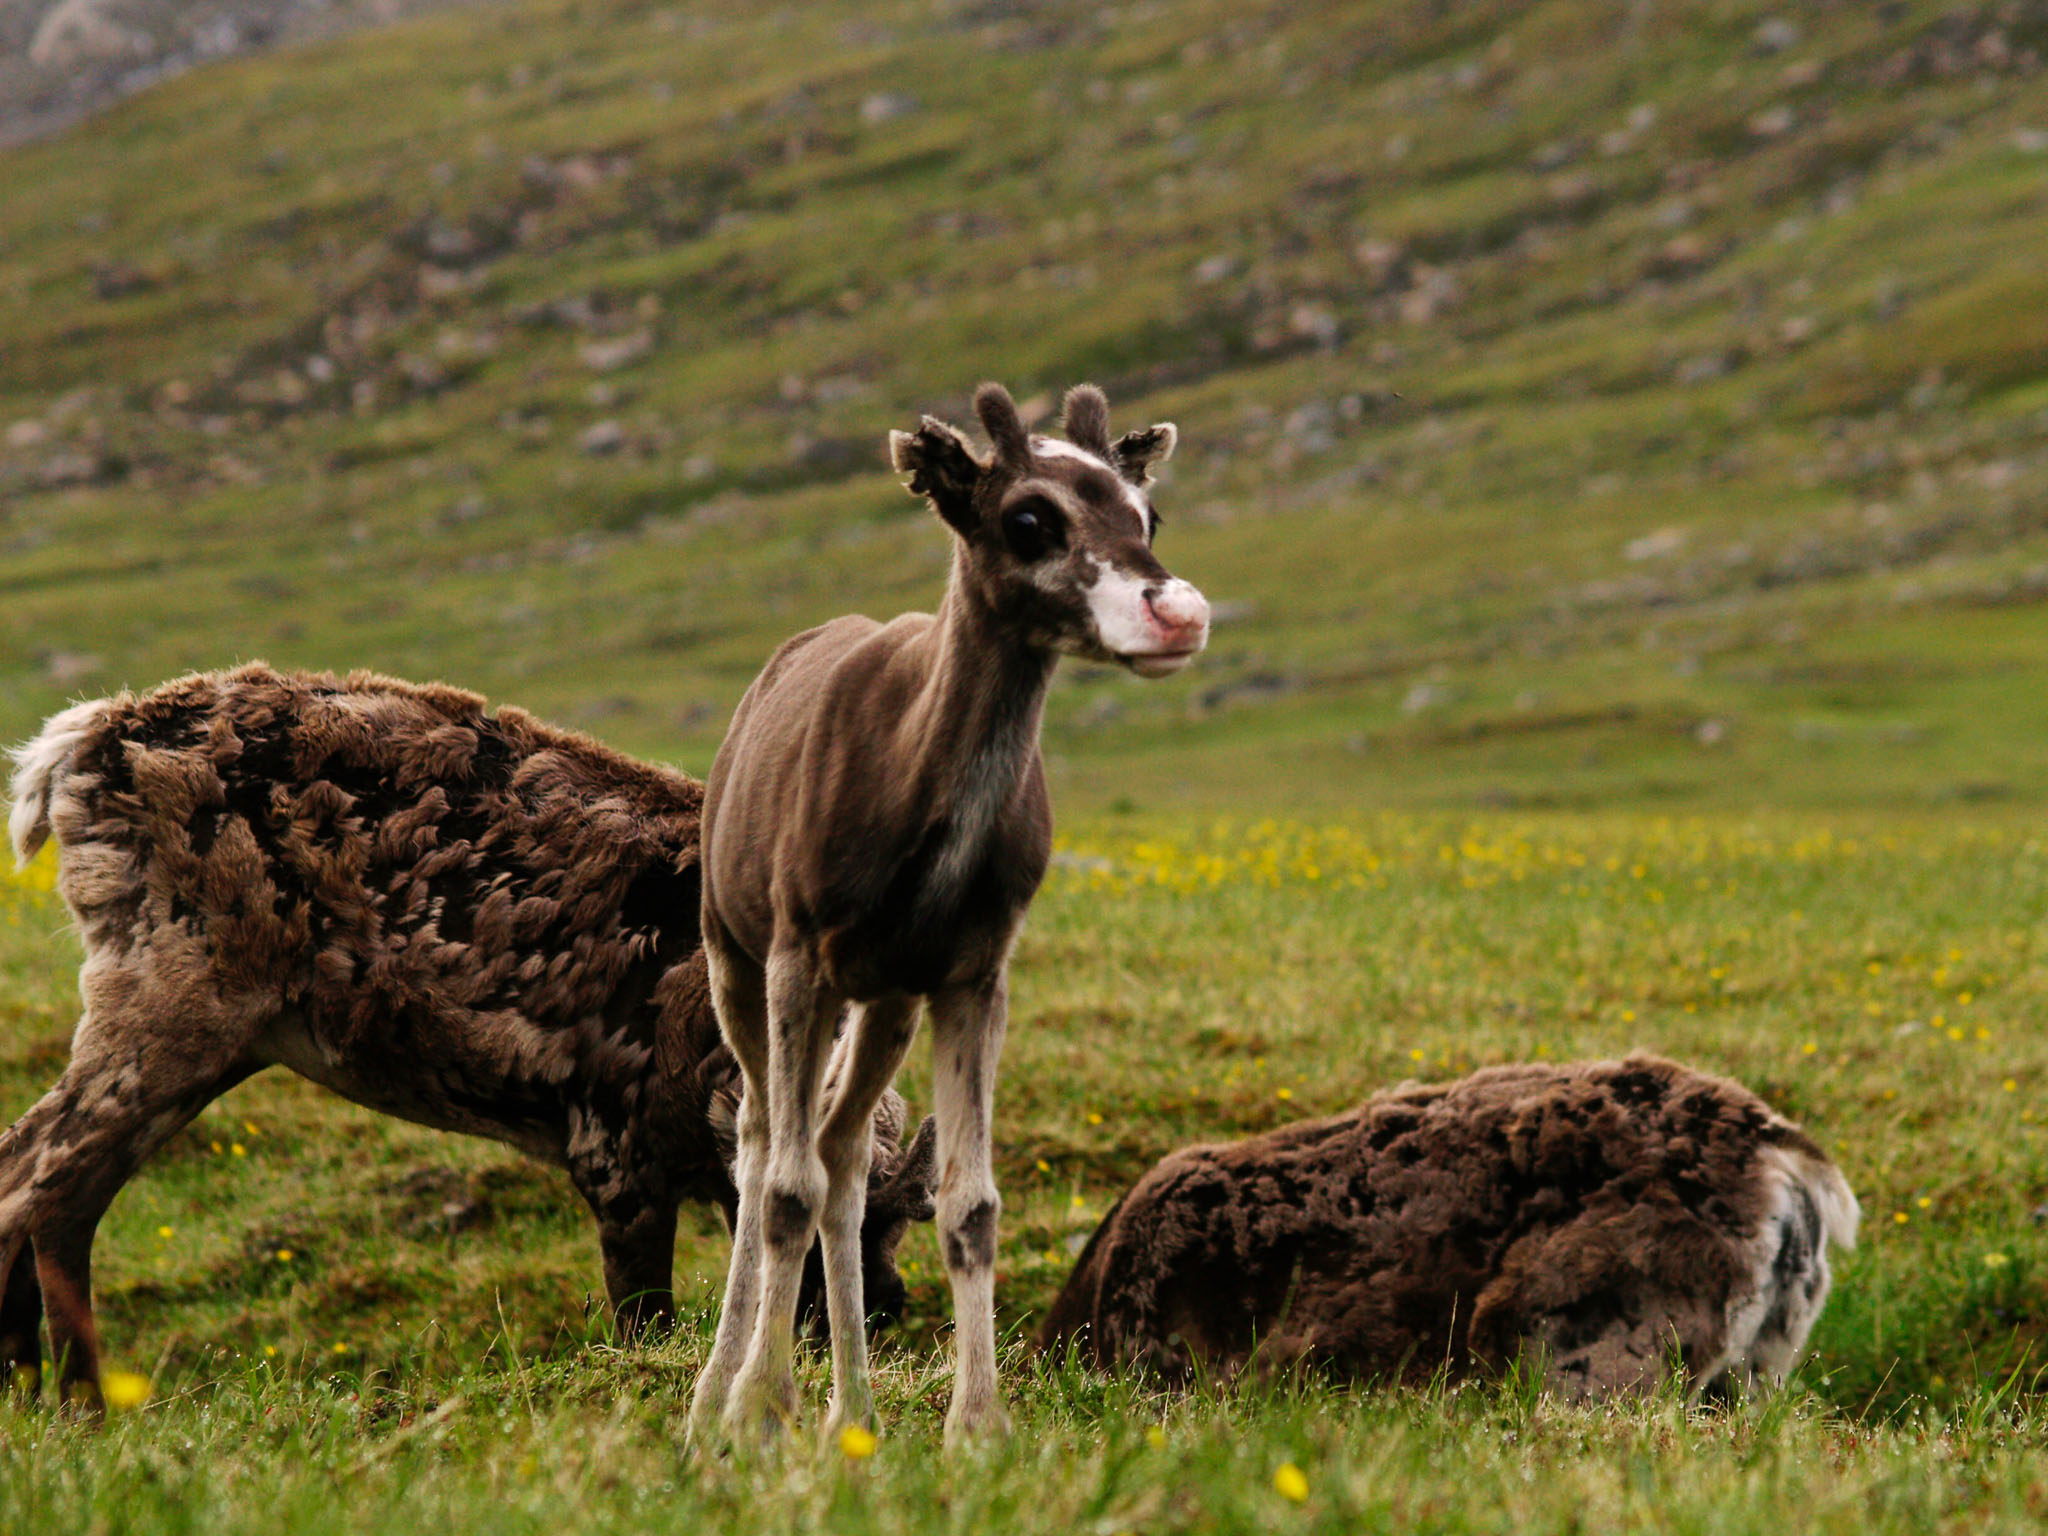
(1582, 403)
(1615, 437)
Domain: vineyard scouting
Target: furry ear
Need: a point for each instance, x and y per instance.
(1085, 419)
(1005, 428)
(942, 468)
(1136, 452)
(907, 1192)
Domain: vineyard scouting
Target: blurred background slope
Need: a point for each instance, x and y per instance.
(60, 59)
(1581, 403)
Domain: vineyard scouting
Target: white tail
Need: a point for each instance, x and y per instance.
(38, 765)
(1839, 1213)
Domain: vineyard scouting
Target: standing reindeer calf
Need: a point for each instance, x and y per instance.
(474, 922)
(874, 827)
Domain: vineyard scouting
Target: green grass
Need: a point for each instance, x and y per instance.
(321, 1344)
(1618, 453)
(593, 1443)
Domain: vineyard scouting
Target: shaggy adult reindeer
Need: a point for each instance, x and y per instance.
(875, 825)
(1600, 1214)
(471, 921)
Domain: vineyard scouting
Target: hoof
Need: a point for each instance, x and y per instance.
(760, 1414)
(838, 1420)
(966, 1427)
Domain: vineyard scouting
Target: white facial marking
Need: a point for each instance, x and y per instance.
(1055, 448)
(1153, 635)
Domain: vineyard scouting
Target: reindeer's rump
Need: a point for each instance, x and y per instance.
(386, 860)
(1603, 1212)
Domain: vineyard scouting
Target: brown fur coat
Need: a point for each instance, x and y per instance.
(1602, 1213)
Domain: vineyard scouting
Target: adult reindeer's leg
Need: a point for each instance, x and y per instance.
(80, 1192)
(21, 1325)
(875, 1047)
(738, 996)
(792, 1188)
(131, 1086)
(967, 1040)
(63, 1253)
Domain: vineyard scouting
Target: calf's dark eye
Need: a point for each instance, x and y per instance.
(1032, 529)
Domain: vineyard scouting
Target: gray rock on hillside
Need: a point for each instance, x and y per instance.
(62, 59)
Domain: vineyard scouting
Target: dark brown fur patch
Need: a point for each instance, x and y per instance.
(1446, 1226)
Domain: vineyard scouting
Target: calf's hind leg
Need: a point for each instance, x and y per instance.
(882, 1032)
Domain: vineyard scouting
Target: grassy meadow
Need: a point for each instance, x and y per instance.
(329, 1346)
(1615, 438)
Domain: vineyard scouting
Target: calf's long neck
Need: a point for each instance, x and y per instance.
(973, 730)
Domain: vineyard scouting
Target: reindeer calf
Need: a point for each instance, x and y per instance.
(474, 922)
(875, 825)
(1598, 1214)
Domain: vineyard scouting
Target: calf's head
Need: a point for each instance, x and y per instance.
(1057, 535)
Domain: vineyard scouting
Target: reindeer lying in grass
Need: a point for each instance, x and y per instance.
(475, 922)
(1597, 1214)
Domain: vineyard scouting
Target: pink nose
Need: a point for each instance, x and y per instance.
(1180, 610)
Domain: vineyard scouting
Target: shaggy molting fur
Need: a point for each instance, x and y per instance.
(472, 921)
(1599, 1214)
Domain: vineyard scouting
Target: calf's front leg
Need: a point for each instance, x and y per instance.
(789, 1192)
(967, 1041)
(738, 997)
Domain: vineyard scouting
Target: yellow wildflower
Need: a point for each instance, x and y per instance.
(857, 1443)
(1290, 1482)
(124, 1390)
